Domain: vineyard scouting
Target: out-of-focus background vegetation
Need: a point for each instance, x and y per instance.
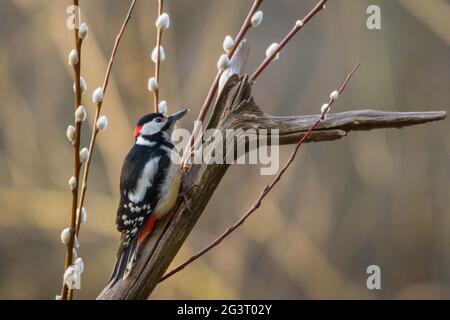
(377, 197)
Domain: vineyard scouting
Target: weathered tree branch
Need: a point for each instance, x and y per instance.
(336, 126)
(235, 108)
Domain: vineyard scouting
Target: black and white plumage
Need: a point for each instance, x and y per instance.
(149, 186)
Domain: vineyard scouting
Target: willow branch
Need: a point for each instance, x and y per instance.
(159, 33)
(297, 27)
(95, 131)
(65, 294)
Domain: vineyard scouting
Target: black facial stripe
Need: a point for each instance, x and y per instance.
(159, 139)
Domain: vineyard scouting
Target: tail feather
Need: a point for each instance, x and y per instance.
(126, 256)
(124, 263)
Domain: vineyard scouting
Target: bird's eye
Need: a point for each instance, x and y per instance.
(158, 120)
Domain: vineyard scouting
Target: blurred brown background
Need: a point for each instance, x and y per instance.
(377, 197)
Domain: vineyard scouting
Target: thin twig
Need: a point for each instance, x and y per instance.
(297, 27)
(212, 91)
(95, 131)
(265, 191)
(65, 292)
(159, 33)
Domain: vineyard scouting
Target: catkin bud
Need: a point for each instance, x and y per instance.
(223, 62)
(76, 244)
(271, 50)
(80, 114)
(152, 84)
(102, 123)
(83, 217)
(83, 85)
(162, 54)
(228, 43)
(257, 18)
(334, 95)
(162, 107)
(299, 23)
(65, 236)
(163, 21)
(325, 108)
(70, 133)
(80, 264)
(73, 57)
(72, 277)
(73, 183)
(84, 155)
(97, 95)
(83, 31)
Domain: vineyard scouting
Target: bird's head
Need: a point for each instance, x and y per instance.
(157, 124)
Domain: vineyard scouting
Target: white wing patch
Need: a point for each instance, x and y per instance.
(145, 181)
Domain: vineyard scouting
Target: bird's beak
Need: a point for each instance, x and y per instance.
(177, 116)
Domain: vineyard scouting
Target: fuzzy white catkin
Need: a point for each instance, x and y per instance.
(162, 54)
(83, 217)
(73, 57)
(257, 18)
(223, 62)
(325, 108)
(83, 31)
(83, 85)
(84, 155)
(97, 95)
(152, 85)
(228, 43)
(102, 123)
(163, 21)
(65, 236)
(80, 264)
(72, 277)
(80, 114)
(334, 95)
(299, 23)
(76, 244)
(70, 133)
(162, 107)
(271, 50)
(72, 183)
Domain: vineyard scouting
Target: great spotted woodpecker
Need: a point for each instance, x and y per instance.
(149, 186)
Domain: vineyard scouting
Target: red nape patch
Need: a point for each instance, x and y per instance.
(137, 131)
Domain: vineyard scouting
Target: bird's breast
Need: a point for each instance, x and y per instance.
(169, 191)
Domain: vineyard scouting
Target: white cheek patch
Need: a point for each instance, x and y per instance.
(152, 127)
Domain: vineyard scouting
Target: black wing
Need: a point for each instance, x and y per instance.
(134, 211)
